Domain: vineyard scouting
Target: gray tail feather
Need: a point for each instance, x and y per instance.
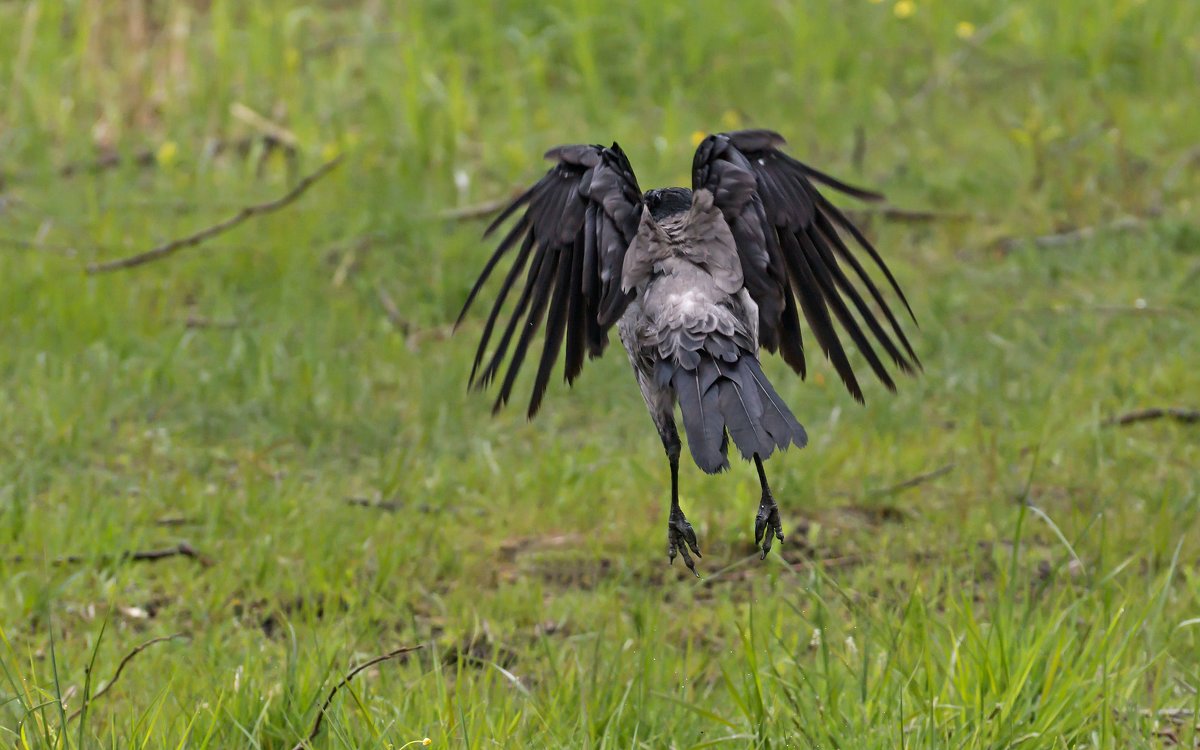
(716, 396)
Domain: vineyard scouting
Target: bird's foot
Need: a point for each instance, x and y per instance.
(681, 536)
(767, 527)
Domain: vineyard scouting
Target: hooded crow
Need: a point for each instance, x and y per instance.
(697, 282)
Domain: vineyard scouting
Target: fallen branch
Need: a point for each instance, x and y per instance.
(908, 484)
(392, 311)
(183, 549)
(316, 727)
(176, 521)
(120, 668)
(826, 563)
(363, 502)
(1186, 416)
(906, 215)
(1072, 236)
(478, 210)
(1139, 308)
(272, 131)
(248, 212)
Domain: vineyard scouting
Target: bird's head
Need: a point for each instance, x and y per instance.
(664, 202)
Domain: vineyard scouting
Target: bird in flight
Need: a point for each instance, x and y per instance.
(697, 282)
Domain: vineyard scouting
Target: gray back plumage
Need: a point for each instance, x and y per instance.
(694, 332)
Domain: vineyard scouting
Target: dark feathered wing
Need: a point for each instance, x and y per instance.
(795, 257)
(576, 225)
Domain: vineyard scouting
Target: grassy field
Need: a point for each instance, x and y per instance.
(1037, 586)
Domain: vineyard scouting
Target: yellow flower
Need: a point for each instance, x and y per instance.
(904, 9)
(964, 30)
(731, 120)
(698, 136)
(166, 153)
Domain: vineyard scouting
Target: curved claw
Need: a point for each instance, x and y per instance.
(767, 526)
(680, 538)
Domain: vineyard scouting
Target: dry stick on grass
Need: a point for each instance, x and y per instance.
(827, 563)
(405, 328)
(316, 727)
(183, 549)
(1187, 416)
(1072, 236)
(365, 502)
(392, 311)
(907, 215)
(908, 484)
(478, 210)
(120, 668)
(248, 212)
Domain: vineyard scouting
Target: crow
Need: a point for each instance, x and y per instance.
(697, 281)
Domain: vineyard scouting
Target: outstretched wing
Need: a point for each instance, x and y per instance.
(578, 221)
(789, 237)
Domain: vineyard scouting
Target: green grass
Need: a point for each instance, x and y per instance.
(1044, 593)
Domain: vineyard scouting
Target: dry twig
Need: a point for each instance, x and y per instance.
(183, 549)
(120, 668)
(826, 563)
(1072, 236)
(906, 215)
(365, 502)
(247, 212)
(316, 727)
(1186, 416)
(392, 311)
(477, 210)
(908, 484)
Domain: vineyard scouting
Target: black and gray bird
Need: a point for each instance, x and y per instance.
(697, 282)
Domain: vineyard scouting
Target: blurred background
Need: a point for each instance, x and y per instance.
(263, 442)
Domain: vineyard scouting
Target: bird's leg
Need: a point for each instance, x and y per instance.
(680, 535)
(766, 523)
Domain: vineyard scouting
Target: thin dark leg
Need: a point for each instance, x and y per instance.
(680, 535)
(766, 523)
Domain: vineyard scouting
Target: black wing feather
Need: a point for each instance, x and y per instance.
(509, 280)
(577, 223)
(787, 220)
(556, 324)
(542, 290)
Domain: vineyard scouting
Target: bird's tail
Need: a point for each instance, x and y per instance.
(718, 396)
